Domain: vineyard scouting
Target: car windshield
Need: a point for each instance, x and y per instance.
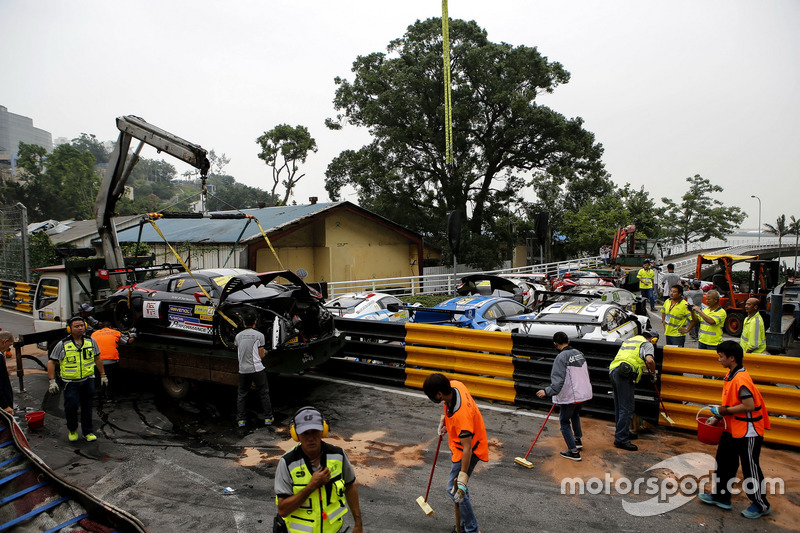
(345, 302)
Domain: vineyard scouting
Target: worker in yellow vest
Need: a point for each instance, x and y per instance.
(753, 338)
(646, 277)
(711, 319)
(675, 316)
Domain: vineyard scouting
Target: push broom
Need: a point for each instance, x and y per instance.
(423, 502)
(524, 460)
(663, 409)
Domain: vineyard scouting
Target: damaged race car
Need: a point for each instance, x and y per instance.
(211, 306)
(367, 306)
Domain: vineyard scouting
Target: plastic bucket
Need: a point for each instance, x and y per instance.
(35, 419)
(706, 433)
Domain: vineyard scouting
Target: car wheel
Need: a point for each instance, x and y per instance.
(177, 388)
(124, 316)
(733, 324)
(226, 332)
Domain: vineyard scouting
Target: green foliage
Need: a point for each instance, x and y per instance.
(593, 225)
(427, 300)
(41, 253)
(500, 135)
(132, 249)
(699, 217)
(642, 211)
(282, 149)
(89, 143)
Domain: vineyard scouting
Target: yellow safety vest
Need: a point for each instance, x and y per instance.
(78, 363)
(324, 510)
(646, 278)
(629, 353)
(675, 317)
(712, 335)
(753, 334)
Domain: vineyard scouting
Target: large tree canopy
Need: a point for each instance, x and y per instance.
(501, 135)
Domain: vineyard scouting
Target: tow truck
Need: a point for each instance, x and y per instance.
(64, 288)
(630, 253)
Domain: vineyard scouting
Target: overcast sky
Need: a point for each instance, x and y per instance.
(670, 88)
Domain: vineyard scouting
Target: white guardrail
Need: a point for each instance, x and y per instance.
(444, 283)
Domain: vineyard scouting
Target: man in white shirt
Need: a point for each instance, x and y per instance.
(250, 343)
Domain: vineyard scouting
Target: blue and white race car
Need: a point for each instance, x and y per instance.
(476, 312)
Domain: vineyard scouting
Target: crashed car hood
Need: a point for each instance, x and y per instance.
(244, 281)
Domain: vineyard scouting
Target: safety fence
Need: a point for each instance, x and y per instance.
(512, 367)
(17, 295)
(494, 365)
(691, 379)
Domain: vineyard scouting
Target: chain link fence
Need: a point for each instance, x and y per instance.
(14, 259)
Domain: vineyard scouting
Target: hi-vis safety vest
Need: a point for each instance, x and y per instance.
(646, 278)
(324, 510)
(712, 335)
(675, 317)
(753, 334)
(737, 423)
(78, 363)
(629, 353)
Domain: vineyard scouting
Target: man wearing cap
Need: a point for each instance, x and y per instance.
(625, 371)
(85, 312)
(314, 479)
(77, 356)
(646, 277)
(463, 422)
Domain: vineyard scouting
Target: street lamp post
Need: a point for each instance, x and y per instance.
(759, 217)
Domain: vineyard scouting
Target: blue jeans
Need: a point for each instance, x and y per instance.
(79, 395)
(650, 295)
(569, 415)
(679, 340)
(469, 524)
(623, 405)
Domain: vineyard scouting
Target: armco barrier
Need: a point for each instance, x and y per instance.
(686, 386)
(494, 365)
(17, 295)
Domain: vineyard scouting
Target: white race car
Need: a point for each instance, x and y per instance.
(367, 306)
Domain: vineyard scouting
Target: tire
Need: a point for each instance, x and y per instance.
(177, 388)
(733, 324)
(124, 316)
(226, 332)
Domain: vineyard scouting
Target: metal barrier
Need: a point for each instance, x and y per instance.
(17, 295)
(494, 365)
(691, 379)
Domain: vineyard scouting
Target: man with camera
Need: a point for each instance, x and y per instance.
(625, 371)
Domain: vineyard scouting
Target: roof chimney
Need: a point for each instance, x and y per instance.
(313, 199)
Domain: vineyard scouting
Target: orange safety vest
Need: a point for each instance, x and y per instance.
(107, 340)
(466, 417)
(737, 423)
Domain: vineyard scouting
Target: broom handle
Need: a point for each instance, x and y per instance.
(435, 457)
(540, 431)
(663, 408)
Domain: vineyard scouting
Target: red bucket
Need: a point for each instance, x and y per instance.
(706, 433)
(35, 419)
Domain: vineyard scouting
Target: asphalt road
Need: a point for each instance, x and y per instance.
(169, 462)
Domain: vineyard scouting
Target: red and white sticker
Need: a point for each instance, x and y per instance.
(150, 309)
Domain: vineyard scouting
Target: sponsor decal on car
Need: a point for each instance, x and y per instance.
(189, 324)
(150, 309)
(205, 312)
(181, 310)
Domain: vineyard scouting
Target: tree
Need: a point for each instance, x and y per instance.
(501, 135)
(779, 229)
(592, 226)
(642, 211)
(794, 229)
(699, 217)
(282, 148)
(89, 143)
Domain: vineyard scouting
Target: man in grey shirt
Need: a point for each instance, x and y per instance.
(669, 279)
(250, 343)
(694, 297)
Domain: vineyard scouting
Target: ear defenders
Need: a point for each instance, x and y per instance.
(293, 431)
(69, 324)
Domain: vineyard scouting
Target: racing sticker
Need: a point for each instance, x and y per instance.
(204, 311)
(150, 309)
(189, 324)
(180, 310)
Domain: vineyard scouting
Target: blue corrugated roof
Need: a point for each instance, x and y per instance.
(224, 231)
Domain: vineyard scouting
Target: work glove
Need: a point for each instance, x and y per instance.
(104, 380)
(715, 410)
(441, 429)
(653, 377)
(460, 488)
(132, 333)
(53, 389)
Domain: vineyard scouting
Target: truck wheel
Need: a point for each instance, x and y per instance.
(177, 388)
(733, 324)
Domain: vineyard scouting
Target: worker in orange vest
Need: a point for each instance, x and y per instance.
(108, 340)
(746, 418)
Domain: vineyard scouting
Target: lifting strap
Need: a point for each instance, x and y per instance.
(448, 108)
(153, 216)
